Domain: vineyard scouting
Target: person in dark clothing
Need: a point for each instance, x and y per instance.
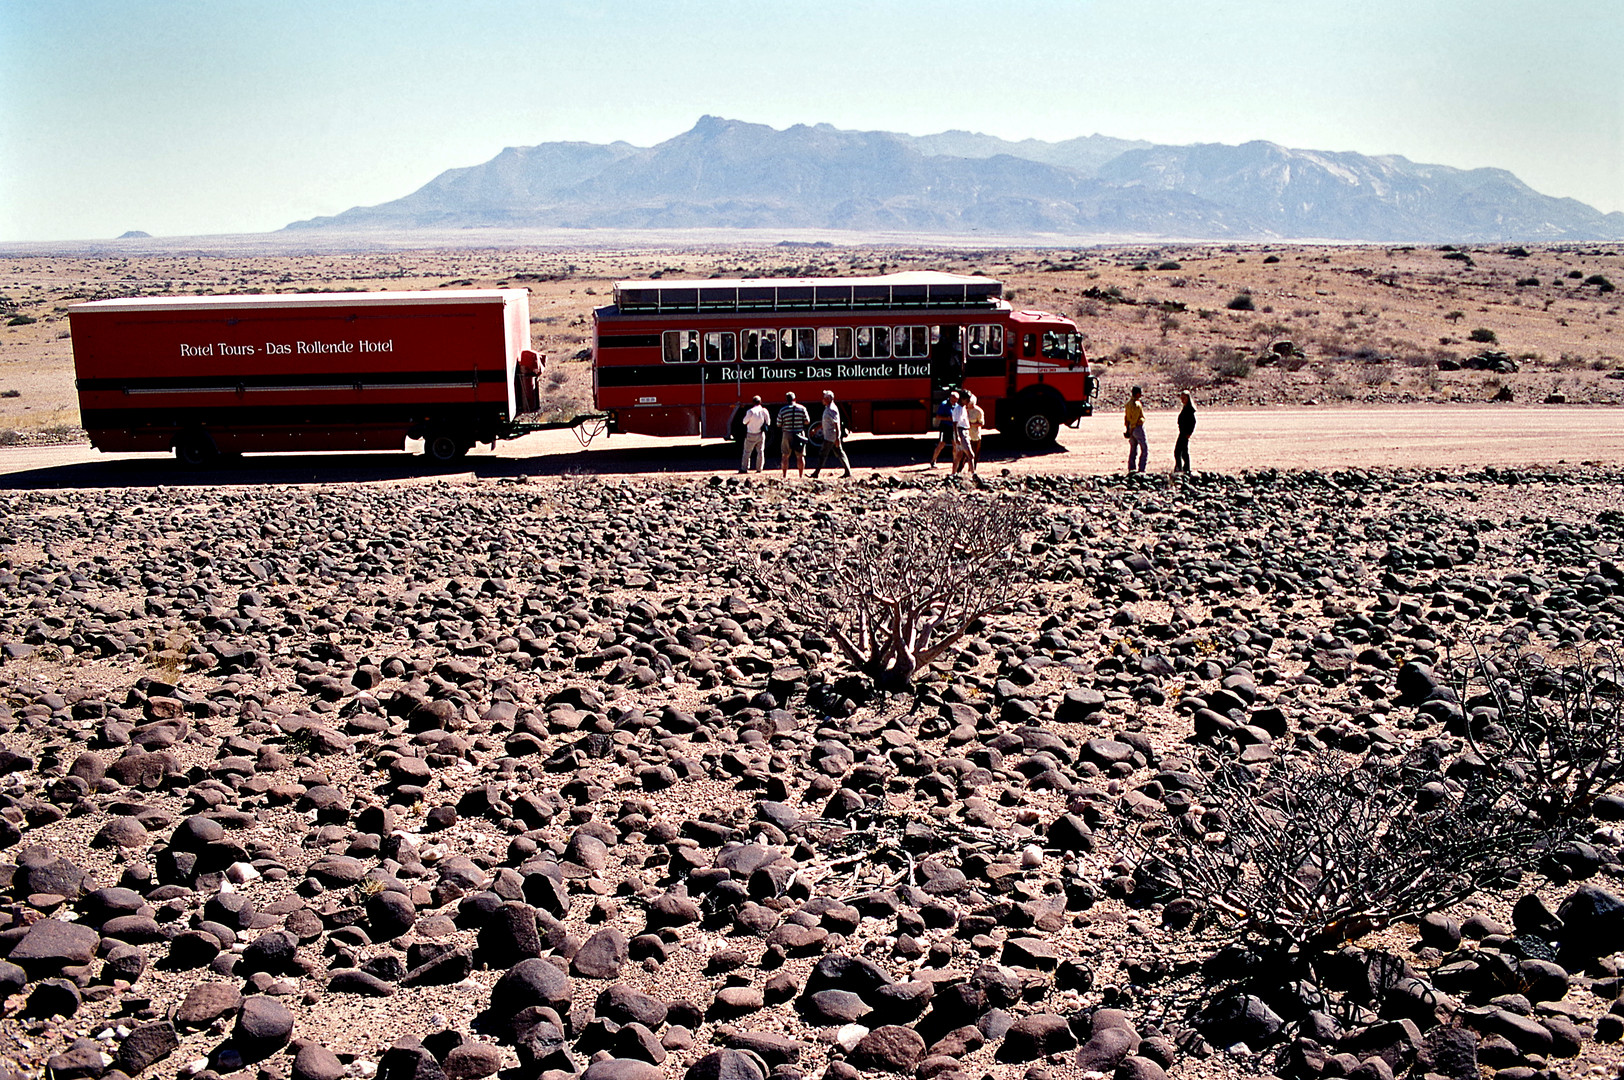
(1181, 449)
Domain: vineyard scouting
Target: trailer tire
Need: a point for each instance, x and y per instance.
(445, 447)
(195, 450)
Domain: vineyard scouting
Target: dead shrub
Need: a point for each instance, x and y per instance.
(895, 594)
(1320, 850)
(1558, 724)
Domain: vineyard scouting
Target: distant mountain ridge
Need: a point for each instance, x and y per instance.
(737, 175)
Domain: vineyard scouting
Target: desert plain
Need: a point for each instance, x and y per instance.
(318, 770)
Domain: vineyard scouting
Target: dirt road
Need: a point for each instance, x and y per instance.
(1226, 440)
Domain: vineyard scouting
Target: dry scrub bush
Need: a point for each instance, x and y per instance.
(1321, 850)
(896, 594)
(1558, 726)
(1183, 374)
(1230, 363)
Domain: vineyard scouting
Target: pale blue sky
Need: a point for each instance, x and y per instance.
(210, 117)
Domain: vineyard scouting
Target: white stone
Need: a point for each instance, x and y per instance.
(241, 873)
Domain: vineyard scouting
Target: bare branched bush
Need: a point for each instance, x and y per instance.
(1559, 726)
(895, 595)
(1320, 851)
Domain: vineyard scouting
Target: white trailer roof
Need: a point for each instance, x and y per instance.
(303, 300)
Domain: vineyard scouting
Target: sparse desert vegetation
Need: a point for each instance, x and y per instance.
(1237, 324)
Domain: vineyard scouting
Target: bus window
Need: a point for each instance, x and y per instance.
(681, 346)
(1058, 345)
(719, 348)
(882, 341)
(750, 345)
(912, 341)
(834, 343)
(986, 340)
(805, 343)
(865, 343)
(1030, 345)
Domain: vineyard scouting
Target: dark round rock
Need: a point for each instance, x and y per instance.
(389, 915)
(315, 1062)
(725, 1065)
(891, 1048)
(601, 956)
(531, 982)
(264, 1026)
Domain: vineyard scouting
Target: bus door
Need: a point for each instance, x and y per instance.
(946, 360)
(718, 382)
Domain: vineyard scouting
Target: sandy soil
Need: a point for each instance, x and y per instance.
(1365, 324)
(1227, 440)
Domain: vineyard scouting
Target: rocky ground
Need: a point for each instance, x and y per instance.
(458, 778)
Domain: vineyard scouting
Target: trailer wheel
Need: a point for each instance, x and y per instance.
(444, 447)
(195, 449)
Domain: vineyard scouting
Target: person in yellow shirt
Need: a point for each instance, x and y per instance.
(1133, 419)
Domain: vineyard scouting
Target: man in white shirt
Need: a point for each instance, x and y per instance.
(756, 421)
(959, 417)
(834, 441)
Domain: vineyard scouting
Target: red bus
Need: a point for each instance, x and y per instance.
(685, 357)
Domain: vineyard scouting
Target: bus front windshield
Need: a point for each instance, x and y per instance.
(1059, 345)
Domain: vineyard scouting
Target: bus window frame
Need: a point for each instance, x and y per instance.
(904, 335)
(666, 351)
(729, 345)
(838, 336)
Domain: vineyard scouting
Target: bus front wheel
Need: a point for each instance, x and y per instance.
(1038, 427)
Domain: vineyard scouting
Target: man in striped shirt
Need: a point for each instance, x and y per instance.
(792, 425)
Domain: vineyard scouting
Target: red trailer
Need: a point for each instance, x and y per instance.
(209, 375)
(685, 357)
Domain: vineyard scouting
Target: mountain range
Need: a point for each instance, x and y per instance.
(727, 174)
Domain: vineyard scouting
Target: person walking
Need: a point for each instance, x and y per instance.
(756, 421)
(978, 419)
(834, 435)
(1133, 419)
(792, 423)
(963, 456)
(1181, 448)
(944, 426)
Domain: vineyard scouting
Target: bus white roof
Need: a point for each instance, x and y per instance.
(902, 277)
